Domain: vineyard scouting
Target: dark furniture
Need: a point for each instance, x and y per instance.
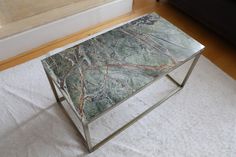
(218, 15)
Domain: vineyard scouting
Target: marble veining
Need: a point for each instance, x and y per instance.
(111, 67)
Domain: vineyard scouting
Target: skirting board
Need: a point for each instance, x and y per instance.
(25, 41)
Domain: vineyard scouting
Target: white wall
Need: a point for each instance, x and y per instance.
(25, 41)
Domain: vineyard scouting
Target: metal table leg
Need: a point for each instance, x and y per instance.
(86, 125)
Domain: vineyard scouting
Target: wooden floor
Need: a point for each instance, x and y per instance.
(219, 51)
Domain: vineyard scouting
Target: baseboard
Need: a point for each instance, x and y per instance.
(41, 50)
(25, 41)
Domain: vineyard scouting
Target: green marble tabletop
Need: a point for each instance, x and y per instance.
(103, 71)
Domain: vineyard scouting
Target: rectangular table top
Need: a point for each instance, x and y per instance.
(101, 72)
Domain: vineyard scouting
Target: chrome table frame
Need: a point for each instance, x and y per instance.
(86, 138)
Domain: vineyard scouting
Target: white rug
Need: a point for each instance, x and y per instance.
(199, 121)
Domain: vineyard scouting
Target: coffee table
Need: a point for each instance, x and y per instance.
(96, 75)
